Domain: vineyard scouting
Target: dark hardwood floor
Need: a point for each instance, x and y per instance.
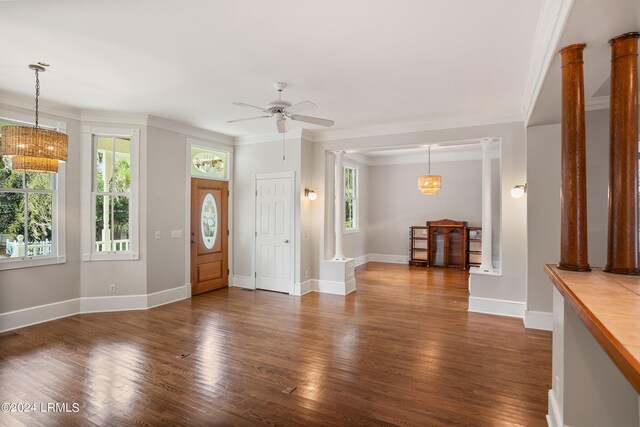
(401, 350)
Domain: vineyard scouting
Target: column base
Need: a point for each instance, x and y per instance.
(617, 270)
(571, 267)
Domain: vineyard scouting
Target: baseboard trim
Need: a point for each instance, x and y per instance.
(116, 303)
(330, 287)
(303, 288)
(245, 282)
(39, 314)
(554, 417)
(57, 310)
(168, 296)
(538, 320)
(392, 259)
(496, 306)
(358, 261)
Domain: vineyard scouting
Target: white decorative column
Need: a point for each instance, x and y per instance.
(486, 264)
(339, 205)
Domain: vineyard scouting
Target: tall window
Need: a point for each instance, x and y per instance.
(351, 199)
(28, 217)
(113, 196)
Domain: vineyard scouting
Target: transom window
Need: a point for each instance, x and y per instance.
(351, 198)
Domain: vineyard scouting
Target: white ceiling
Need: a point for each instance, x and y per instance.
(364, 62)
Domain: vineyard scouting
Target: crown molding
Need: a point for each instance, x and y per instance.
(553, 18)
(459, 155)
(597, 103)
(189, 130)
(14, 100)
(272, 137)
(413, 127)
(114, 117)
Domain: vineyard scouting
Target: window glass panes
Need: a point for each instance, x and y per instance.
(27, 203)
(8, 177)
(103, 224)
(120, 223)
(38, 181)
(122, 166)
(350, 198)
(12, 225)
(39, 216)
(112, 186)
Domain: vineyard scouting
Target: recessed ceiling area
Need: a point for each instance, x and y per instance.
(362, 62)
(450, 151)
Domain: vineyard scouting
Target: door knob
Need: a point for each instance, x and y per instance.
(286, 241)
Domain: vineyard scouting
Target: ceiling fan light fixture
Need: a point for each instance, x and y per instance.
(284, 110)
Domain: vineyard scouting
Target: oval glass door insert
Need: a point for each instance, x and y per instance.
(209, 220)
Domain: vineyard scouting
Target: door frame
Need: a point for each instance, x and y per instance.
(187, 206)
(292, 209)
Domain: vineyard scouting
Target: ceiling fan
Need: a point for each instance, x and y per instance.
(282, 110)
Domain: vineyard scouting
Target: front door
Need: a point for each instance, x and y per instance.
(209, 235)
(273, 234)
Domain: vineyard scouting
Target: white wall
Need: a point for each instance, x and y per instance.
(396, 203)
(512, 284)
(130, 277)
(307, 232)
(166, 174)
(33, 286)
(543, 213)
(249, 160)
(355, 244)
(543, 194)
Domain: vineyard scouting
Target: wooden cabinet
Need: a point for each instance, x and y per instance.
(474, 246)
(419, 246)
(447, 243)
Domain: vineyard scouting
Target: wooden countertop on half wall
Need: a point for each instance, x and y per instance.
(609, 306)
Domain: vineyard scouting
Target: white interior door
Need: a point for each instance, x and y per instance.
(274, 242)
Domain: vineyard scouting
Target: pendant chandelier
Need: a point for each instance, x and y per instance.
(33, 149)
(429, 184)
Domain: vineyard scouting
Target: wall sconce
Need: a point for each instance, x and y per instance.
(310, 194)
(518, 191)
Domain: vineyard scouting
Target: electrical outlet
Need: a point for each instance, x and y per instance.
(306, 274)
(112, 288)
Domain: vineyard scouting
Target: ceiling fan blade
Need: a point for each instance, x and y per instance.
(244, 104)
(312, 120)
(300, 107)
(283, 127)
(248, 118)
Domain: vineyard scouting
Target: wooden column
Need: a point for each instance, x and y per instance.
(573, 227)
(622, 248)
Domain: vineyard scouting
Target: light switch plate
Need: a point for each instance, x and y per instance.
(176, 234)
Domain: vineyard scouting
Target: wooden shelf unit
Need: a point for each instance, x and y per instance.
(419, 245)
(474, 246)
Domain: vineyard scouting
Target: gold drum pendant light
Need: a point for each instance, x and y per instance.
(429, 184)
(33, 149)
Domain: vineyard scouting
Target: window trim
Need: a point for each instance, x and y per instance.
(58, 207)
(356, 199)
(88, 201)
